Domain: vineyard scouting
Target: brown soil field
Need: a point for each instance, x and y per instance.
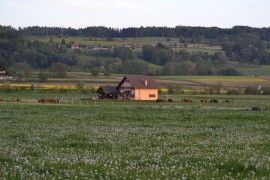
(194, 84)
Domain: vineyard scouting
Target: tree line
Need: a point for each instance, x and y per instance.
(195, 34)
(240, 44)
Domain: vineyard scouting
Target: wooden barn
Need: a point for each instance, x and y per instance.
(108, 92)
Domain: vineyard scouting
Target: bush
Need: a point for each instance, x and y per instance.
(43, 76)
(233, 92)
(107, 74)
(251, 90)
(94, 72)
(6, 87)
(266, 90)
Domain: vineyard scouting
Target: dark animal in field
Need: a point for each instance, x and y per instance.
(1, 100)
(85, 98)
(16, 100)
(204, 100)
(159, 100)
(213, 101)
(255, 108)
(186, 100)
(170, 100)
(44, 100)
(226, 101)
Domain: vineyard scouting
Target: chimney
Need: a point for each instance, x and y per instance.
(145, 82)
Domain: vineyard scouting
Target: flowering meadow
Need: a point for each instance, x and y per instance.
(60, 141)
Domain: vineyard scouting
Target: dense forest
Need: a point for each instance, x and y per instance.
(240, 44)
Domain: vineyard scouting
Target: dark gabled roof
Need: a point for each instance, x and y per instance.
(108, 89)
(140, 82)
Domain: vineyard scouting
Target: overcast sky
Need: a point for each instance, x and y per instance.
(135, 13)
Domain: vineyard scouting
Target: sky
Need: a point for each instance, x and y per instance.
(134, 13)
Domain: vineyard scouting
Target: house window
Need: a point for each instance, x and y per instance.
(152, 95)
(132, 88)
(132, 95)
(122, 87)
(127, 81)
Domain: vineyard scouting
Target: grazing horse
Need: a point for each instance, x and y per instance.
(16, 100)
(186, 100)
(213, 101)
(159, 100)
(55, 100)
(44, 100)
(1, 100)
(204, 100)
(226, 101)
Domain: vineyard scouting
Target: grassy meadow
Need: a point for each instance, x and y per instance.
(215, 78)
(124, 141)
(138, 42)
(257, 71)
(106, 139)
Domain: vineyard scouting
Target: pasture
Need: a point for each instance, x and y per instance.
(255, 71)
(128, 140)
(137, 42)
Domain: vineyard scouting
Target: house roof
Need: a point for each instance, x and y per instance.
(108, 89)
(140, 82)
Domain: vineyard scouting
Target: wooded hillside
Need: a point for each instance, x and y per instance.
(238, 45)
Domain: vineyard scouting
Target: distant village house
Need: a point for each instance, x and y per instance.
(97, 49)
(131, 87)
(75, 46)
(5, 77)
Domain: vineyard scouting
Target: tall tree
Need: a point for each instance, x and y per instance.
(59, 69)
(43, 76)
(123, 53)
(22, 67)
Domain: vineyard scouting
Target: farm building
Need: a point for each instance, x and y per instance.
(75, 46)
(131, 87)
(108, 92)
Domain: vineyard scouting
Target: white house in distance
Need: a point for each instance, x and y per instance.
(75, 46)
(131, 87)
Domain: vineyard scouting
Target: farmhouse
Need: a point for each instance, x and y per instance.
(75, 46)
(131, 87)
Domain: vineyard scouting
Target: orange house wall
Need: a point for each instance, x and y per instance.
(143, 94)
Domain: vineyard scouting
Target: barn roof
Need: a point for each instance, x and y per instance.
(108, 89)
(140, 82)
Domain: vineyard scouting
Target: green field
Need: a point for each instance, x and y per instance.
(123, 141)
(104, 41)
(258, 71)
(138, 42)
(214, 78)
